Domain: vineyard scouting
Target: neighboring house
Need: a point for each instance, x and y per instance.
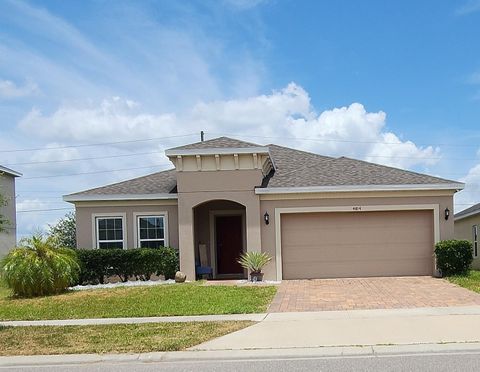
(467, 226)
(317, 216)
(8, 237)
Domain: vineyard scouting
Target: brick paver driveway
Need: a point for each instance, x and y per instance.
(369, 293)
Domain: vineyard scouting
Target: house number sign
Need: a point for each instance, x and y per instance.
(357, 208)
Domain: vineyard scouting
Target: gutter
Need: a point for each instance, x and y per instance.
(121, 197)
(457, 186)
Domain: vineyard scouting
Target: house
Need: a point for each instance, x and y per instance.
(8, 237)
(467, 226)
(317, 216)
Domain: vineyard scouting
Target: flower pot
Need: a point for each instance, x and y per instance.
(256, 277)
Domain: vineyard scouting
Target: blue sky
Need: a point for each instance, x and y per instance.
(394, 82)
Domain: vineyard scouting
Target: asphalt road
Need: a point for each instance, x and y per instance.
(452, 361)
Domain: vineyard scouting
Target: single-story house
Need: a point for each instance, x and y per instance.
(467, 226)
(317, 216)
(8, 237)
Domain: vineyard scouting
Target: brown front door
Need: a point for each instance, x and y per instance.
(229, 244)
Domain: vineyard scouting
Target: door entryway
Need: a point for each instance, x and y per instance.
(229, 244)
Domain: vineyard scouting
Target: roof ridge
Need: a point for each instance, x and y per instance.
(297, 150)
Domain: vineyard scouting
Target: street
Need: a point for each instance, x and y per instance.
(435, 362)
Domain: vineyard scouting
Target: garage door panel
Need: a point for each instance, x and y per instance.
(322, 245)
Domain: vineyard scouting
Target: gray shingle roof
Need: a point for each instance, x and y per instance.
(215, 143)
(293, 168)
(156, 183)
(474, 209)
(300, 169)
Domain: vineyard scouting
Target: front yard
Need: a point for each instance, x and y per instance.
(470, 281)
(162, 300)
(118, 338)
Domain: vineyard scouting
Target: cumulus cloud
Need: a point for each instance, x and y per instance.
(471, 194)
(9, 89)
(284, 116)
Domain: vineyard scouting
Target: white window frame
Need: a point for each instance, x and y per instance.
(138, 215)
(95, 237)
(475, 231)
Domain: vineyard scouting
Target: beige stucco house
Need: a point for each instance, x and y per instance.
(8, 237)
(467, 226)
(317, 216)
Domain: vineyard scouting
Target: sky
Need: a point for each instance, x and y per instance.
(93, 92)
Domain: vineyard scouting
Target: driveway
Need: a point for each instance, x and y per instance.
(369, 293)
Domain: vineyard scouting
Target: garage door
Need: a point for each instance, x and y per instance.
(336, 245)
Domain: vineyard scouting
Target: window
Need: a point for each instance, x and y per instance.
(151, 231)
(109, 232)
(475, 240)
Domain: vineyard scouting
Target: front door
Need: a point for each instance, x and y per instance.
(229, 244)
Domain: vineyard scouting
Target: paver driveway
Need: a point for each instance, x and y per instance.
(369, 293)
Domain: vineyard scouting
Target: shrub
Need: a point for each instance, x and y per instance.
(254, 261)
(454, 256)
(141, 263)
(37, 267)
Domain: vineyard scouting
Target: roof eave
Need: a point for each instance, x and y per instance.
(354, 188)
(10, 171)
(119, 197)
(470, 214)
(218, 151)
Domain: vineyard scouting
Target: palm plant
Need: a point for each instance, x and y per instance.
(37, 267)
(254, 261)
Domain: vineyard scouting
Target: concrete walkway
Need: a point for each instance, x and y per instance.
(356, 327)
(158, 319)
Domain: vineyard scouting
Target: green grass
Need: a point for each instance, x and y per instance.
(117, 338)
(470, 281)
(162, 300)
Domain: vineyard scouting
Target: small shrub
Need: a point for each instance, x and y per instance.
(454, 256)
(37, 267)
(254, 261)
(141, 263)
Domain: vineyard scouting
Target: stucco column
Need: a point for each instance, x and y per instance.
(185, 239)
(253, 220)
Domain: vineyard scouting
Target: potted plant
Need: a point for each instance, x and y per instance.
(254, 262)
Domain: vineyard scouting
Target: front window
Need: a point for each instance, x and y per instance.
(151, 231)
(475, 240)
(109, 232)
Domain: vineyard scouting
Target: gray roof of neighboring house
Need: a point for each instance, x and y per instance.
(9, 171)
(293, 168)
(474, 209)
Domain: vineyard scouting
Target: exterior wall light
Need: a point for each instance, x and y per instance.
(266, 218)
(447, 213)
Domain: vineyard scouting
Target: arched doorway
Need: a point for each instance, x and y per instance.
(220, 237)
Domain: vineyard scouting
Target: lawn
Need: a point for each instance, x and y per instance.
(470, 281)
(118, 338)
(162, 300)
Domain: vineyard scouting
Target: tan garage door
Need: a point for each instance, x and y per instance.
(345, 244)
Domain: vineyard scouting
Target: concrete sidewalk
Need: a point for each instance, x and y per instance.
(357, 327)
(157, 319)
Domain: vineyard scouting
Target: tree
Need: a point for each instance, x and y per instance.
(64, 232)
(3, 219)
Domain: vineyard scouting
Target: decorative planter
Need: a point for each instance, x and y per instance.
(256, 277)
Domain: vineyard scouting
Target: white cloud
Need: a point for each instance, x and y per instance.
(471, 6)
(471, 194)
(245, 4)
(287, 116)
(9, 89)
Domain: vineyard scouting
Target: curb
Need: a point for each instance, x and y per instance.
(256, 354)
